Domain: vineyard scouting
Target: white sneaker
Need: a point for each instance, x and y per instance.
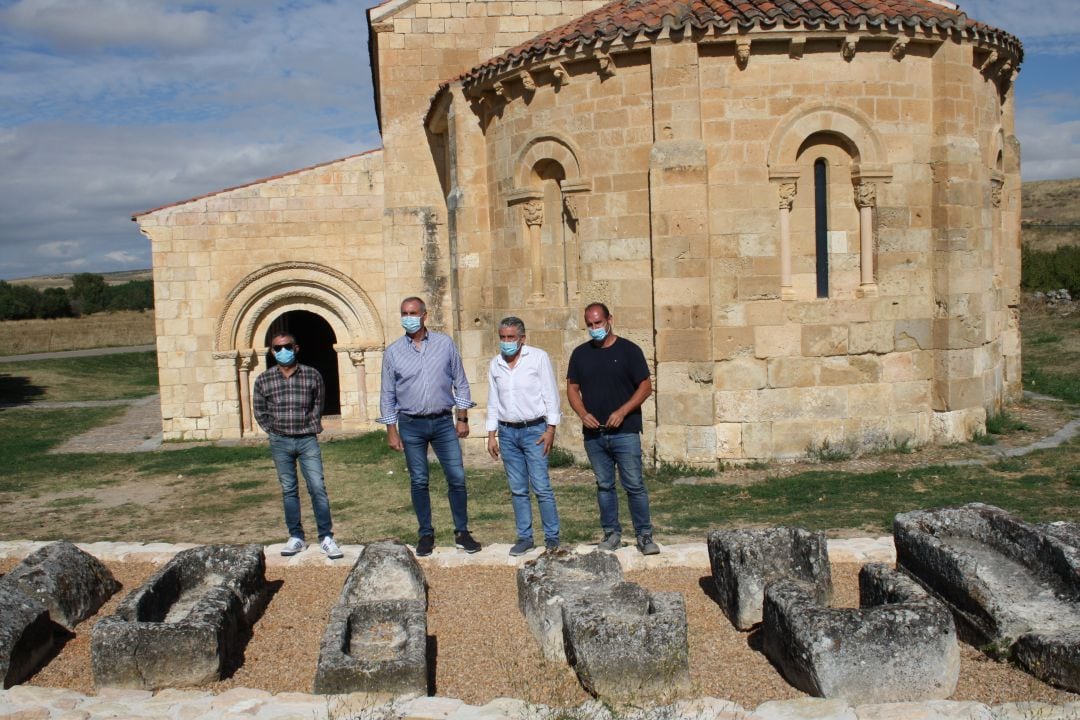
(294, 546)
(331, 548)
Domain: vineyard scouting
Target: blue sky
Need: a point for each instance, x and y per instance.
(110, 107)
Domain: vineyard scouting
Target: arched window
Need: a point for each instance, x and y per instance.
(821, 225)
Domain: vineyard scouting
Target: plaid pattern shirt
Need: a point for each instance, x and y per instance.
(289, 405)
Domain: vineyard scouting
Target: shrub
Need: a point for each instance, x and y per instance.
(1041, 270)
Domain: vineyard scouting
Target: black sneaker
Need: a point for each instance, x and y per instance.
(646, 545)
(522, 546)
(465, 541)
(425, 545)
(551, 545)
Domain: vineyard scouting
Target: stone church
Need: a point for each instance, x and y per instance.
(805, 212)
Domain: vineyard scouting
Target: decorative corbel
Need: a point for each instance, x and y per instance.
(528, 81)
(742, 52)
(561, 76)
(997, 183)
(607, 65)
(499, 89)
(848, 47)
(796, 47)
(899, 48)
(990, 60)
(1006, 70)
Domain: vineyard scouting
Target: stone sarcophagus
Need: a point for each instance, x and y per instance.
(546, 584)
(1013, 587)
(42, 599)
(376, 640)
(187, 625)
(899, 646)
(744, 561)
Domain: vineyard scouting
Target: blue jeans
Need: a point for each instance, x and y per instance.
(622, 450)
(526, 465)
(416, 434)
(287, 451)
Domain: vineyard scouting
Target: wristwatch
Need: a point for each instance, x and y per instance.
(462, 418)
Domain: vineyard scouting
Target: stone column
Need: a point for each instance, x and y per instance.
(533, 214)
(357, 359)
(788, 191)
(246, 362)
(997, 183)
(865, 198)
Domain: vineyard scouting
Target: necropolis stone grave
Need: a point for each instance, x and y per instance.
(554, 578)
(625, 644)
(187, 625)
(899, 646)
(744, 561)
(1013, 587)
(42, 599)
(376, 640)
(629, 645)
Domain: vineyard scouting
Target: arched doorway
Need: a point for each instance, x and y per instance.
(316, 340)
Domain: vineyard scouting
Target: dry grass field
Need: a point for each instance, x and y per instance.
(1051, 214)
(114, 329)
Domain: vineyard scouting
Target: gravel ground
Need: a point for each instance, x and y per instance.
(484, 649)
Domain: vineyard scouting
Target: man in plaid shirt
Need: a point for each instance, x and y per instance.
(288, 402)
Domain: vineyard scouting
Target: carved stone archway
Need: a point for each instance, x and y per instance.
(259, 298)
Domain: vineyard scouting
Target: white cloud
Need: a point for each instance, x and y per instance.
(122, 257)
(59, 250)
(82, 25)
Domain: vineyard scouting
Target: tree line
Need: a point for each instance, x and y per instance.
(88, 294)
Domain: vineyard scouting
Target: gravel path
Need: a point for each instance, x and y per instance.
(484, 649)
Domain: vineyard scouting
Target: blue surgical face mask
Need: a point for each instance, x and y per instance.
(285, 357)
(411, 323)
(509, 349)
(598, 334)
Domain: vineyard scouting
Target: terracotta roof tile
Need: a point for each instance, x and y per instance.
(627, 18)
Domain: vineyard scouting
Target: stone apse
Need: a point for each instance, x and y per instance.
(808, 220)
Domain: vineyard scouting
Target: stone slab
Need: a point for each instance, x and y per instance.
(27, 635)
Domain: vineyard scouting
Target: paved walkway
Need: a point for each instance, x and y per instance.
(26, 702)
(76, 353)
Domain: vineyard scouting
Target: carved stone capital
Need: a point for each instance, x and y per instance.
(247, 361)
(570, 207)
(787, 194)
(356, 357)
(996, 186)
(533, 212)
(865, 194)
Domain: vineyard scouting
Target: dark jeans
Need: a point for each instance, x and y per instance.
(416, 434)
(623, 451)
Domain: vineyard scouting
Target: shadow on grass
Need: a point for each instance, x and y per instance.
(18, 390)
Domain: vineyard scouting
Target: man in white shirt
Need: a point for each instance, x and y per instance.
(523, 410)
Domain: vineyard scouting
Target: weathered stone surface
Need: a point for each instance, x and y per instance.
(547, 583)
(71, 583)
(899, 651)
(187, 625)
(744, 561)
(1004, 580)
(376, 640)
(27, 635)
(628, 645)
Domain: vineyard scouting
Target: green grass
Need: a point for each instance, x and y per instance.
(230, 494)
(1002, 423)
(102, 377)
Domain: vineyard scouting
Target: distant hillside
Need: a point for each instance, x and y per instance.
(1051, 214)
(64, 280)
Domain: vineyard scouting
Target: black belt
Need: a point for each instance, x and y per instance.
(519, 425)
(430, 416)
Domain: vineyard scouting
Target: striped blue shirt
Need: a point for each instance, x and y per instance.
(422, 381)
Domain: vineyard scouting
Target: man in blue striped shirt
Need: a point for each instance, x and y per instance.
(424, 401)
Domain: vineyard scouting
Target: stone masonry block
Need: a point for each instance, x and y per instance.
(744, 561)
(27, 635)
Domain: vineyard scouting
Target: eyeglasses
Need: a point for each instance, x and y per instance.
(286, 346)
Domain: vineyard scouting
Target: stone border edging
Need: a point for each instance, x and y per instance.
(28, 702)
